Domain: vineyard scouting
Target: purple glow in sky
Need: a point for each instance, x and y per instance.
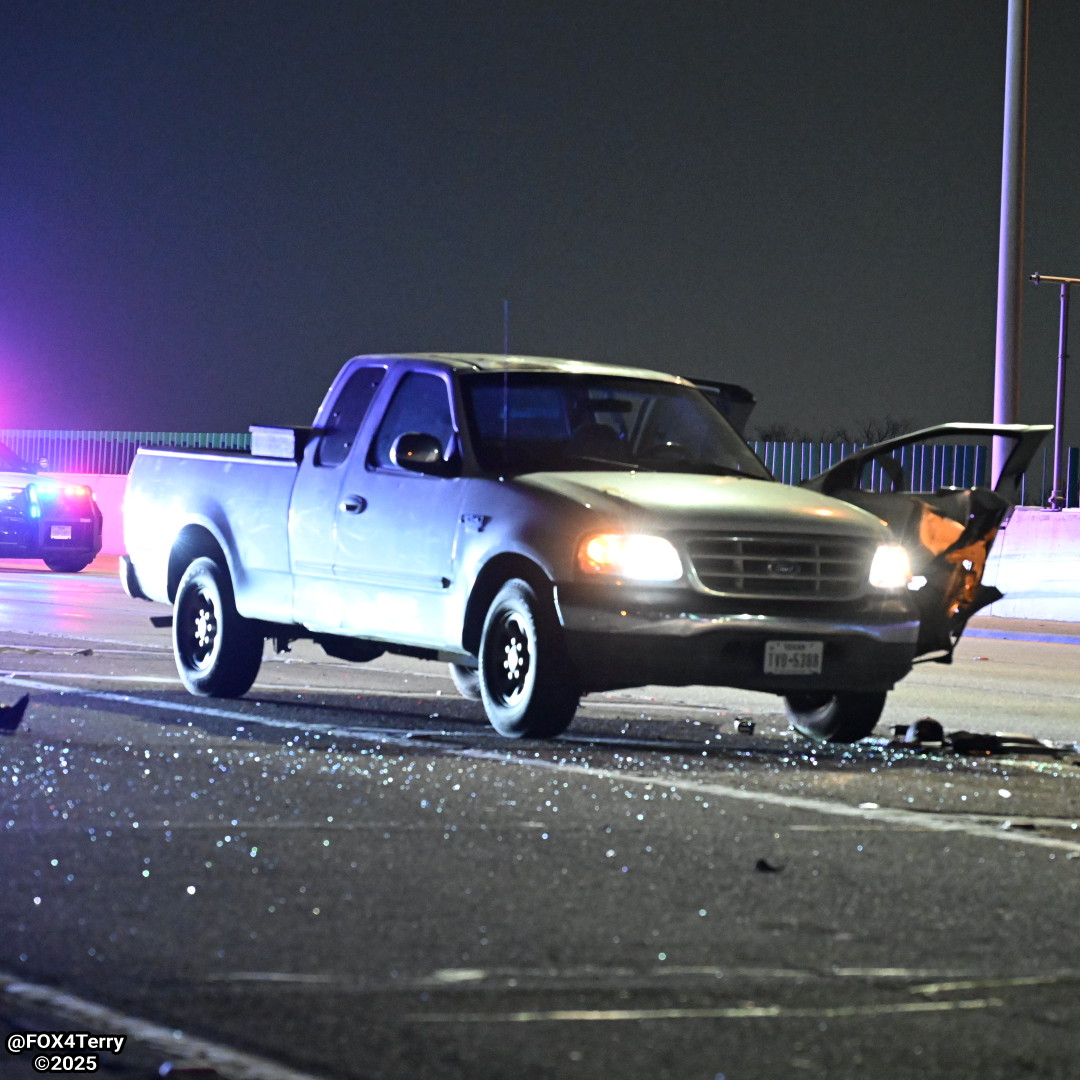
(208, 206)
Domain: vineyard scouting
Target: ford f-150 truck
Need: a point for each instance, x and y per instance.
(550, 528)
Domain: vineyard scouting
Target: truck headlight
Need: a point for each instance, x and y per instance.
(891, 568)
(634, 556)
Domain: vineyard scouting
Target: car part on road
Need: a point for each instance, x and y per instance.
(921, 732)
(11, 715)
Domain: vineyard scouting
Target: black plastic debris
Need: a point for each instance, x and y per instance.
(744, 725)
(971, 742)
(920, 733)
(11, 715)
(976, 743)
(763, 866)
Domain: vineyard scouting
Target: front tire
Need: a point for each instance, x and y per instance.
(466, 680)
(527, 685)
(217, 650)
(843, 717)
(67, 564)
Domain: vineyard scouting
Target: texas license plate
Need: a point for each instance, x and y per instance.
(793, 657)
(60, 532)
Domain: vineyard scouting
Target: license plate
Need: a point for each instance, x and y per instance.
(60, 532)
(793, 657)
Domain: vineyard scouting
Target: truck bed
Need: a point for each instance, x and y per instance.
(241, 500)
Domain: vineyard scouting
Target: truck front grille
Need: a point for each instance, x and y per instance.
(781, 567)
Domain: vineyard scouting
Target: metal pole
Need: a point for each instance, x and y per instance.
(1011, 232)
(506, 328)
(1057, 493)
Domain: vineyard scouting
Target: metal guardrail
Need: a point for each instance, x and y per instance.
(928, 466)
(108, 452)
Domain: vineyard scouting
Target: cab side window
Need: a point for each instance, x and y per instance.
(349, 411)
(420, 404)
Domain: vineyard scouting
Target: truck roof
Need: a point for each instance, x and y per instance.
(500, 362)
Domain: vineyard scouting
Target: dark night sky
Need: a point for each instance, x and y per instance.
(207, 207)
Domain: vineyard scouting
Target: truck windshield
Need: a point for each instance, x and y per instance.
(557, 421)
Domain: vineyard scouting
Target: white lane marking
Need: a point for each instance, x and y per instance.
(746, 1012)
(378, 737)
(172, 1044)
(154, 680)
(174, 683)
(593, 977)
(907, 819)
(361, 691)
(371, 734)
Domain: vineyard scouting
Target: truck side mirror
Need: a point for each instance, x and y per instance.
(418, 452)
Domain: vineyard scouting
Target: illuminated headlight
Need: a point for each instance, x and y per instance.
(891, 568)
(633, 556)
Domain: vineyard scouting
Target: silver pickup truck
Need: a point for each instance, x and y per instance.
(550, 528)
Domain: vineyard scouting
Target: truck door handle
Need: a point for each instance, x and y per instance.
(354, 504)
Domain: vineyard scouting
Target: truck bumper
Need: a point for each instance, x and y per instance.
(615, 645)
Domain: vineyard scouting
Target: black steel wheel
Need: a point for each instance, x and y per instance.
(217, 650)
(526, 682)
(842, 717)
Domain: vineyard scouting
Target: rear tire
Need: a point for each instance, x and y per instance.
(527, 684)
(843, 717)
(218, 652)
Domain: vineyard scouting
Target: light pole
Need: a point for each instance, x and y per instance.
(1011, 231)
(1057, 493)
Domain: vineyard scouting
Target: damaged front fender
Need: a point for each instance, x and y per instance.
(948, 532)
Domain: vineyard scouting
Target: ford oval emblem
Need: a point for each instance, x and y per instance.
(784, 568)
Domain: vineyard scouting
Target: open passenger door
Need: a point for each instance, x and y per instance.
(949, 531)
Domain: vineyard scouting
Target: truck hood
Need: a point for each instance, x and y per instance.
(687, 500)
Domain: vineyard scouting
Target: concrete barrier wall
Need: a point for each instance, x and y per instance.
(1035, 560)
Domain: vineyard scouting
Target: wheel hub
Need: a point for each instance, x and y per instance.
(205, 630)
(514, 661)
(515, 658)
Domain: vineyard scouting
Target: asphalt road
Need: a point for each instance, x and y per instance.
(346, 875)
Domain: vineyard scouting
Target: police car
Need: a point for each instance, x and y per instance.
(46, 518)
